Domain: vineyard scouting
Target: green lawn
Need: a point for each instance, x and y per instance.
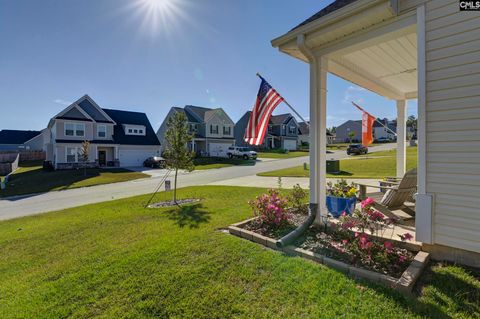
(372, 165)
(202, 163)
(282, 155)
(119, 260)
(31, 178)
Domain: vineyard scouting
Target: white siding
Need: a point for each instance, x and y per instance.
(453, 122)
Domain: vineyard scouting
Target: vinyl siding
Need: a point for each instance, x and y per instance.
(453, 122)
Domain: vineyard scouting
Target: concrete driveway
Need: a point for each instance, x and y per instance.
(235, 175)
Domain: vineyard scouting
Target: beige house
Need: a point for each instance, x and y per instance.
(117, 138)
(212, 129)
(407, 49)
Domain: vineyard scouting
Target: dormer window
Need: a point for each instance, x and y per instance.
(102, 131)
(213, 129)
(134, 129)
(227, 130)
(292, 129)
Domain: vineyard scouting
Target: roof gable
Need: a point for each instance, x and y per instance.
(74, 114)
(280, 119)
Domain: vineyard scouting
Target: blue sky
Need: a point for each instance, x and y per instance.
(127, 56)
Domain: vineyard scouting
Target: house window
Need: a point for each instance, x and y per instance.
(102, 131)
(69, 129)
(270, 128)
(214, 129)
(72, 129)
(192, 127)
(292, 129)
(227, 130)
(71, 154)
(135, 130)
(79, 129)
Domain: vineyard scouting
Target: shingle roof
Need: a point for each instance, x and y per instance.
(91, 110)
(198, 110)
(16, 136)
(135, 118)
(337, 4)
(189, 116)
(303, 128)
(280, 119)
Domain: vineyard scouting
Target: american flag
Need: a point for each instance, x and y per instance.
(267, 101)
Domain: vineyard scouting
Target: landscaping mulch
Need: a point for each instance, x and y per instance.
(172, 203)
(326, 241)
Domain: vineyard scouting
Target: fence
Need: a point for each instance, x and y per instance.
(8, 163)
(27, 155)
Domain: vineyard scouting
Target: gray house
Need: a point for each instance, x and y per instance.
(282, 131)
(349, 126)
(17, 140)
(304, 134)
(212, 129)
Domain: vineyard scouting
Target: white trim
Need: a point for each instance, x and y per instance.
(66, 153)
(133, 127)
(424, 202)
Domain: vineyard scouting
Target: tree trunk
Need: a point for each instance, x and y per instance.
(175, 187)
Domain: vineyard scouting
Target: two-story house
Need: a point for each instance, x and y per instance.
(381, 132)
(282, 131)
(349, 131)
(117, 138)
(212, 129)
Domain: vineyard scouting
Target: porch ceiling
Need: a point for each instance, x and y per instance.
(365, 43)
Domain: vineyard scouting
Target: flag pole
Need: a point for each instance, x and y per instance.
(376, 118)
(288, 104)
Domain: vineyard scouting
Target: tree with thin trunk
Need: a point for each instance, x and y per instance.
(351, 135)
(84, 151)
(177, 155)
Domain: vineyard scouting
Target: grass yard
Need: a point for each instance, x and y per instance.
(372, 165)
(202, 163)
(119, 260)
(282, 155)
(30, 178)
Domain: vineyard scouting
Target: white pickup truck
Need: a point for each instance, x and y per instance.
(241, 152)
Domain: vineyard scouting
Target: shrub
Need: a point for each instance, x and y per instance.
(366, 248)
(297, 200)
(271, 209)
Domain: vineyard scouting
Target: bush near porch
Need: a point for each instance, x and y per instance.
(118, 259)
(30, 178)
(371, 165)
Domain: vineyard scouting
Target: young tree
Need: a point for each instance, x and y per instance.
(177, 155)
(83, 155)
(351, 135)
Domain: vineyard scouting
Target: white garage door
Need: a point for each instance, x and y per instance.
(134, 158)
(290, 145)
(218, 149)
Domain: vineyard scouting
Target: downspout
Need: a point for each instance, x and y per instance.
(312, 207)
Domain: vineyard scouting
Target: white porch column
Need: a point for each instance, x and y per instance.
(401, 136)
(318, 131)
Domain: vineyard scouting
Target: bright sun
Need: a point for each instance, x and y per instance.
(159, 16)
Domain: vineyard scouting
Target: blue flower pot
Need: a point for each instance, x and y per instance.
(337, 205)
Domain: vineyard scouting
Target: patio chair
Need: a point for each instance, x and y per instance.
(396, 198)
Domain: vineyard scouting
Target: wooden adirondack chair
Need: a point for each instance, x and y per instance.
(395, 197)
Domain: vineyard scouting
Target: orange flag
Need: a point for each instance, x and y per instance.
(367, 126)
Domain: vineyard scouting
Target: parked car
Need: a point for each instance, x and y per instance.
(357, 149)
(241, 152)
(383, 140)
(154, 162)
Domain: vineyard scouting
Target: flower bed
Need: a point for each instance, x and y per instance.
(353, 245)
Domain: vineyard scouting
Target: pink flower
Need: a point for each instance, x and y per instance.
(367, 202)
(344, 214)
(402, 259)
(406, 237)
(357, 234)
(388, 245)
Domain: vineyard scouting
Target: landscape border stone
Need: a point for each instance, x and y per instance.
(403, 284)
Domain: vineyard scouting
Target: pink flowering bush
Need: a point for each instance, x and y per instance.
(271, 209)
(366, 248)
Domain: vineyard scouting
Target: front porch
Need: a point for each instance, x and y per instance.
(384, 57)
